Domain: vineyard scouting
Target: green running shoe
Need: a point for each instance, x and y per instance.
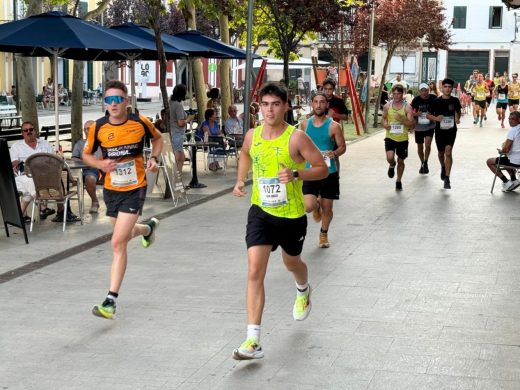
(105, 311)
(149, 239)
(248, 350)
(302, 305)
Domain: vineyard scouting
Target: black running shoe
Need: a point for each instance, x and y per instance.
(398, 186)
(425, 168)
(391, 171)
(447, 184)
(421, 169)
(443, 173)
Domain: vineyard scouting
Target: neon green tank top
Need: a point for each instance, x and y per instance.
(398, 132)
(268, 157)
(480, 92)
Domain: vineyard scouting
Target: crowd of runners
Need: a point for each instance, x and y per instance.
(293, 173)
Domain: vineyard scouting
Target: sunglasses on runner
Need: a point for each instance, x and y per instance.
(114, 99)
(28, 130)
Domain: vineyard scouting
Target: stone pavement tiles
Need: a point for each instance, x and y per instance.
(419, 290)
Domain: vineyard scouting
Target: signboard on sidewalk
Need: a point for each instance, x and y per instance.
(9, 199)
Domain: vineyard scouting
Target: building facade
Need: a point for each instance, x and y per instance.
(485, 36)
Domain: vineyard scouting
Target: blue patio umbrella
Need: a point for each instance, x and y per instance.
(59, 35)
(194, 43)
(191, 49)
(184, 39)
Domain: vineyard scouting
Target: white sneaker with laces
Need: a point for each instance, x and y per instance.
(507, 186)
(515, 185)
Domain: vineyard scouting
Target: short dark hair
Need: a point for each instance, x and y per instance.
(27, 123)
(398, 88)
(116, 84)
(214, 93)
(448, 81)
(318, 93)
(329, 81)
(274, 89)
(208, 113)
(179, 93)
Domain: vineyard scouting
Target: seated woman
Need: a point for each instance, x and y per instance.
(210, 127)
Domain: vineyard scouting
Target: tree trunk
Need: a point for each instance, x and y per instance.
(162, 70)
(225, 69)
(76, 112)
(286, 67)
(26, 90)
(389, 55)
(198, 75)
(25, 87)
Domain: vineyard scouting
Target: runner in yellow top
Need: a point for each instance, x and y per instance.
(479, 91)
(277, 153)
(398, 121)
(513, 93)
(121, 138)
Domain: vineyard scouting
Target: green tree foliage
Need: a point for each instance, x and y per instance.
(283, 24)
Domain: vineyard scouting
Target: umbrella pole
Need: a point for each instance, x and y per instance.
(56, 103)
(132, 84)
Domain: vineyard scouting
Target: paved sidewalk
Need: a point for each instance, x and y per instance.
(419, 290)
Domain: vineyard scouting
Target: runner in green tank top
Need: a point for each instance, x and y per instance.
(398, 122)
(277, 153)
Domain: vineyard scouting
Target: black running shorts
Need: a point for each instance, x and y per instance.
(504, 160)
(266, 229)
(445, 138)
(327, 188)
(400, 148)
(503, 106)
(420, 135)
(130, 202)
(513, 102)
(481, 103)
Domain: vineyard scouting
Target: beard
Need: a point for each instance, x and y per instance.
(320, 114)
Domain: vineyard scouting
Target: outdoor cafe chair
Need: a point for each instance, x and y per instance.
(220, 151)
(503, 166)
(46, 171)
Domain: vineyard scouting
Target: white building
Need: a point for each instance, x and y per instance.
(485, 36)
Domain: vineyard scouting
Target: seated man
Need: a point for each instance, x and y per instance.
(511, 148)
(90, 175)
(20, 151)
(234, 126)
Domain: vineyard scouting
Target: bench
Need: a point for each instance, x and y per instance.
(65, 132)
(11, 134)
(9, 112)
(46, 132)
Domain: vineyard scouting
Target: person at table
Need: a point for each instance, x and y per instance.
(160, 123)
(48, 91)
(252, 119)
(210, 126)
(121, 138)
(63, 94)
(214, 103)
(234, 126)
(90, 175)
(178, 121)
(20, 151)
